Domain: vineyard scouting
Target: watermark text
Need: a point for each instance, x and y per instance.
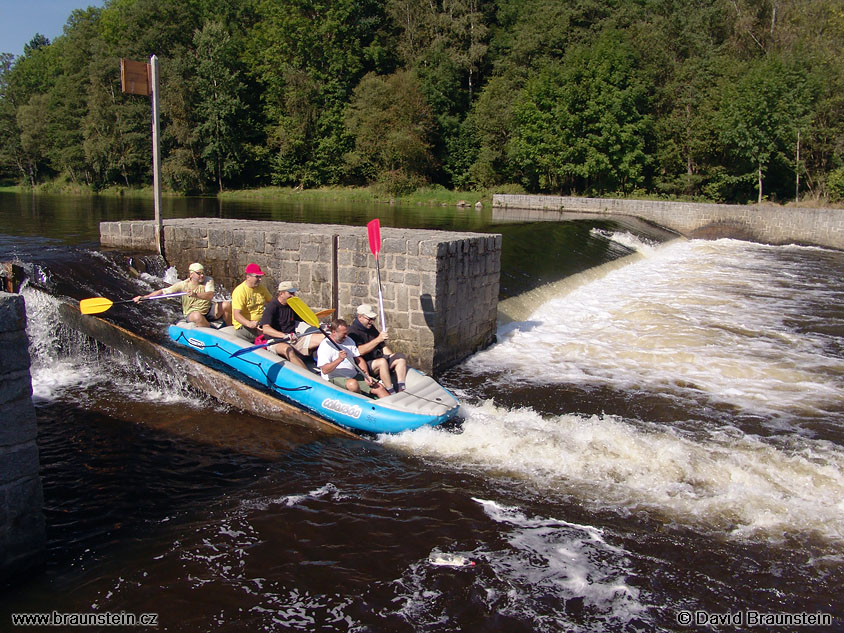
(56, 618)
(753, 618)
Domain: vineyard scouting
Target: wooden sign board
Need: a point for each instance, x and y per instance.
(135, 77)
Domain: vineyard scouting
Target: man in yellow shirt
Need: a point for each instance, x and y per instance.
(248, 300)
(196, 304)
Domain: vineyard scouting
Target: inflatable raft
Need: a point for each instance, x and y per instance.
(423, 402)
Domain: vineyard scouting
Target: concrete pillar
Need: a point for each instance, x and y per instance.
(440, 287)
(22, 529)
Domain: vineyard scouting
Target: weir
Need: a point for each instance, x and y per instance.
(440, 288)
(217, 384)
(768, 224)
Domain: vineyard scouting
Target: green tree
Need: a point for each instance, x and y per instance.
(180, 143)
(11, 152)
(116, 129)
(486, 134)
(308, 56)
(219, 109)
(32, 123)
(582, 125)
(763, 108)
(391, 124)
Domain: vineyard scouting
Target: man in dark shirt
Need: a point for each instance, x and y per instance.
(372, 346)
(280, 321)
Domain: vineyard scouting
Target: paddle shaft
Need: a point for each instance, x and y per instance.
(272, 341)
(374, 230)
(96, 305)
(307, 315)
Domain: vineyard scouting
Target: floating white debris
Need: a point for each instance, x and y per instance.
(449, 560)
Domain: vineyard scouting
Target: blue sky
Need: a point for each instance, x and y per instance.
(20, 20)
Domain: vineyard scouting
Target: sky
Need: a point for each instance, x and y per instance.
(22, 19)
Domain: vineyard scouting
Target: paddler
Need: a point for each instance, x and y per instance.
(372, 345)
(280, 321)
(340, 362)
(248, 301)
(197, 304)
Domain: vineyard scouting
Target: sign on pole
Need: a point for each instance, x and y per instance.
(139, 78)
(134, 77)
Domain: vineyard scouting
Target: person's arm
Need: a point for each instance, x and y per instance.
(329, 366)
(371, 345)
(269, 330)
(237, 315)
(271, 316)
(206, 292)
(361, 363)
(174, 288)
(238, 304)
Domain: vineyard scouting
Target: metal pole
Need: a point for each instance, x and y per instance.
(156, 158)
(797, 169)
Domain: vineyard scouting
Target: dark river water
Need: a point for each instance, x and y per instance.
(655, 439)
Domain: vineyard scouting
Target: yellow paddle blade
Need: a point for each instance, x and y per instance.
(95, 305)
(304, 312)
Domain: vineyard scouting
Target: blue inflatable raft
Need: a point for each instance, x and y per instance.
(424, 402)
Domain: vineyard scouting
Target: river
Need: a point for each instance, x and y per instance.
(655, 438)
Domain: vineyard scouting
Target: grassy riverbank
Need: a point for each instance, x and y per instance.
(428, 196)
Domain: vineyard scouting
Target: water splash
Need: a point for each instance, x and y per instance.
(729, 483)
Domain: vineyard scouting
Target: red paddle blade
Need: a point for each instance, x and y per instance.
(374, 228)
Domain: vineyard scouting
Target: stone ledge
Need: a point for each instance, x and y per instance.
(759, 223)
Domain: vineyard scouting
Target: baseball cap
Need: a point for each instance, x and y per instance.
(254, 269)
(196, 268)
(289, 286)
(366, 310)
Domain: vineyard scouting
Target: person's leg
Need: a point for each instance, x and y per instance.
(220, 310)
(312, 342)
(247, 334)
(285, 350)
(380, 369)
(379, 391)
(198, 318)
(398, 364)
(352, 385)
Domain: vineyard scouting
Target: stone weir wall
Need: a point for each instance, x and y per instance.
(440, 288)
(22, 528)
(759, 223)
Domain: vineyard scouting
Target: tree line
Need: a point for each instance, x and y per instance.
(721, 100)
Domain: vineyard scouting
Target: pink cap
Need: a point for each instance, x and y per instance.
(254, 269)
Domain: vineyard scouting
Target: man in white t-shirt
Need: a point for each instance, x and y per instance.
(340, 362)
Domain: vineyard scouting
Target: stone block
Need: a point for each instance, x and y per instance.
(417, 267)
(309, 252)
(17, 462)
(15, 355)
(18, 424)
(15, 386)
(290, 241)
(12, 312)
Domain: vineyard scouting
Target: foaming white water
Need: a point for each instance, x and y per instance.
(328, 490)
(572, 563)
(521, 307)
(729, 483)
(53, 369)
(66, 363)
(723, 320)
(573, 559)
(626, 238)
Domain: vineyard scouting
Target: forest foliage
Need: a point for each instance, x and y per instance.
(721, 100)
